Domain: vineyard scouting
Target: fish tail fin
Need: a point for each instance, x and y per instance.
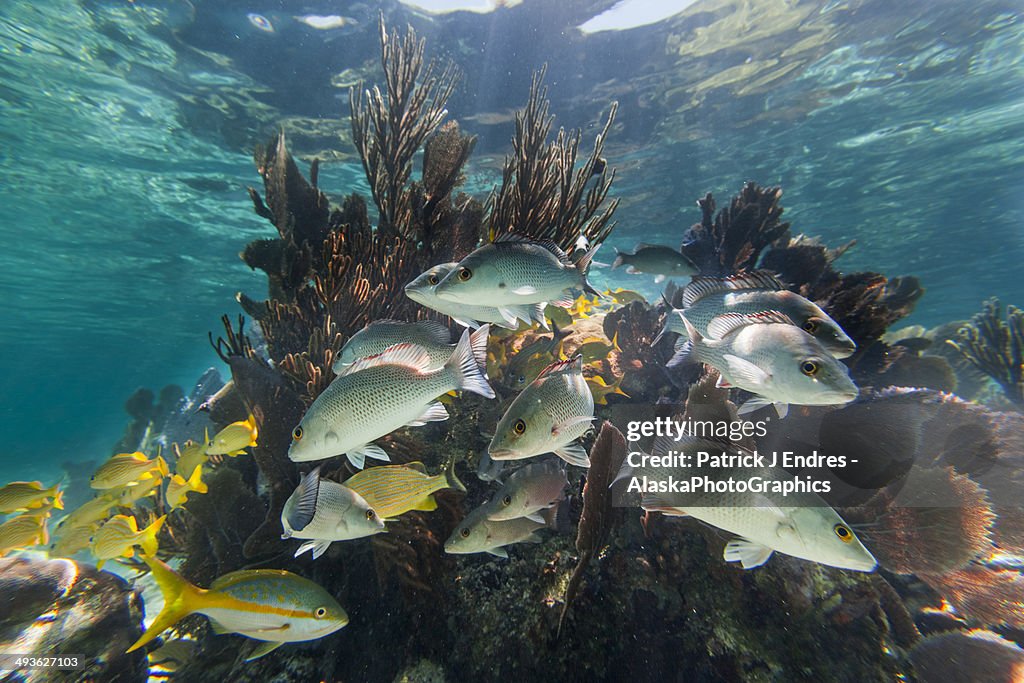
(161, 465)
(180, 599)
(685, 349)
(618, 259)
(149, 541)
(615, 342)
(583, 266)
(556, 517)
(58, 497)
(478, 343)
(468, 374)
(195, 482)
(253, 429)
(453, 479)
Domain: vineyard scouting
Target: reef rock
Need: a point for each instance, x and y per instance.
(60, 607)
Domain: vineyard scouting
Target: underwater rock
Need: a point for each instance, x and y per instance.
(52, 607)
(149, 415)
(967, 657)
(187, 421)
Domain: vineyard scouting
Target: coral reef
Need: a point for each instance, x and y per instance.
(996, 347)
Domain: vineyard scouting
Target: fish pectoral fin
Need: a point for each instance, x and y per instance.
(747, 553)
(753, 404)
(536, 517)
(466, 323)
(782, 409)
(358, 455)
(435, 412)
(319, 547)
(269, 629)
(574, 454)
(562, 427)
(499, 552)
(745, 373)
(263, 648)
(533, 538)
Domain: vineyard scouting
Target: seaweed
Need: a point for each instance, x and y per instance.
(598, 517)
(996, 346)
(542, 193)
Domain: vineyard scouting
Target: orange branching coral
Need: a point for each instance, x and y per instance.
(987, 595)
(542, 193)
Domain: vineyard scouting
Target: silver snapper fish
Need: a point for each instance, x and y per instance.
(548, 416)
(799, 524)
(325, 511)
(376, 395)
(656, 259)
(379, 335)
(706, 298)
(514, 270)
(766, 354)
(529, 490)
(421, 290)
(477, 534)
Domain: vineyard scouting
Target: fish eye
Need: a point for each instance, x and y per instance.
(519, 427)
(370, 514)
(465, 274)
(320, 612)
(506, 501)
(297, 433)
(810, 326)
(843, 532)
(809, 368)
(432, 279)
(465, 532)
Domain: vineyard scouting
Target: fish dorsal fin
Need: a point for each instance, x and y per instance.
(563, 367)
(518, 238)
(306, 497)
(412, 356)
(243, 575)
(756, 279)
(728, 323)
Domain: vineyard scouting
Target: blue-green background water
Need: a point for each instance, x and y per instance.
(127, 128)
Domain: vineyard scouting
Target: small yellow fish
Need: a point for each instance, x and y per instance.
(25, 495)
(130, 495)
(395, 489)
(602, 390)
(191, 456)
(24, 531)
(234, 439)
(178, 487)
(86, 514)
(271, 605)
(73, 540)
(173, 654)
(596, 348)
(624, 296)
(126, 469)
(119, 536)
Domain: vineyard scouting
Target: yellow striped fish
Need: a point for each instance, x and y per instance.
(191, 456)
(24, 531)
(125, 469)
(395, 489)
(86, 514)
(24, 495)
(270, 605)
(130, 495)
(234, 439)
(178, 488)
(119, 536)
(73, 540)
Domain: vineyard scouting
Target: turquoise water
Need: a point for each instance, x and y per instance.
(127, 130)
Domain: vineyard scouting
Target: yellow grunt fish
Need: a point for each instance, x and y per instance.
(25, 495)
(24, 531)
(392, 490)
(602, 390)
(86, 514)
(191, 456)
(73, 540)
(126, 469)
(178, 488)
(271, 605)
(234, 439)
(130, 495)
(119, 536)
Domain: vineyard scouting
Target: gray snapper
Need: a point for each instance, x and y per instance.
(379, 335)
(376, 395)
(548, 416)
(656, 259)
(324, 511)
(800, 524)
(515, 271)
(766, 354)
(422, 291)
(706, 298)
(529, 490)
(477, 534)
